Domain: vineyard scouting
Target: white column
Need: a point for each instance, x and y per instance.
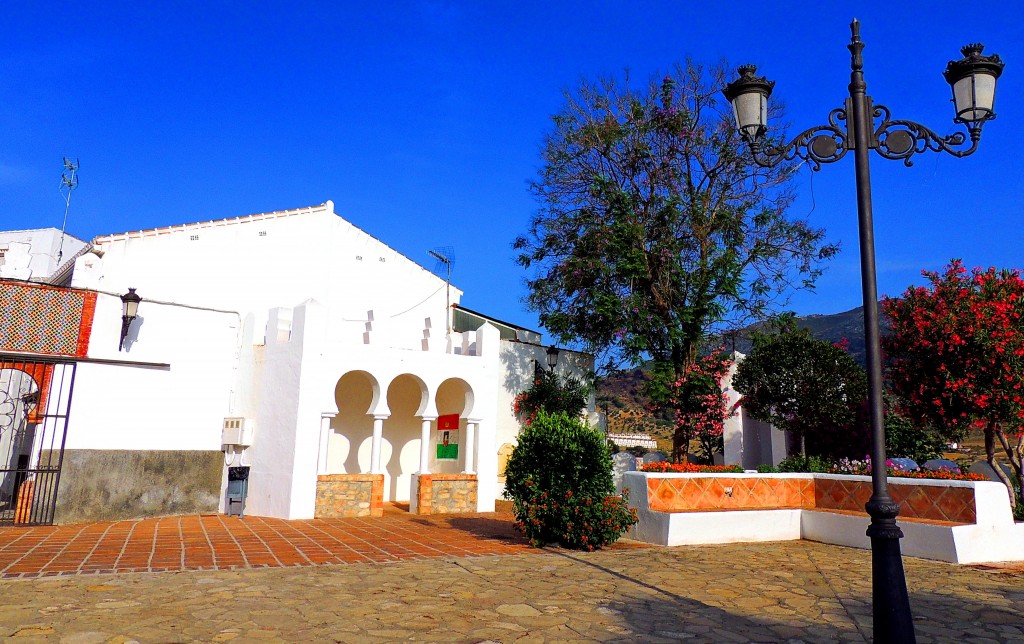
(378, 436)
(470, 444)
(325, 437)
(425, 444)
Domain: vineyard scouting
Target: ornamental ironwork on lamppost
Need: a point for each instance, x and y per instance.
(871, 127)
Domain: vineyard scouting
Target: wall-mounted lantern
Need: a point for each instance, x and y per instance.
(129, 311)
(552, 358)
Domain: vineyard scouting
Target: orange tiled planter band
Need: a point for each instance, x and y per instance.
(691, 493)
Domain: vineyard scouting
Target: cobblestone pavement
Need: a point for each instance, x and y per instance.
(768, 592)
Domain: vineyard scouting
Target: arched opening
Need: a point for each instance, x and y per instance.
(454, 397)
(20, 400)
(349, 443)
(400, 450)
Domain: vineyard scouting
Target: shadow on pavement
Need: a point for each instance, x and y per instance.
(657, 612)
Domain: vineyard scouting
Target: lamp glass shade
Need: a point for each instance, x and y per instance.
(130, 304)
(552, 357)
(974, 96)
(751, 112)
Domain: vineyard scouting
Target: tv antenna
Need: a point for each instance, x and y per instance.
(68, 181)
(444, 257)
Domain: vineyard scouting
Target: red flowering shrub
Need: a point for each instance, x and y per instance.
(575, 521)
(956, 356)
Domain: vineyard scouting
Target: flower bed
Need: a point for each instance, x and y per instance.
(690, 468)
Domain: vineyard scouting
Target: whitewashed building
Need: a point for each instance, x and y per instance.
(291, 343)
(748, 442)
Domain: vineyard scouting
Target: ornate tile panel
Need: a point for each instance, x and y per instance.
(35, 318)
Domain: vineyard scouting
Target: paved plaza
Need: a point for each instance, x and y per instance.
(317, 581)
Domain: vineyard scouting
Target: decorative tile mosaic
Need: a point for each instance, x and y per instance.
(929, 502)
(44, 319)
(685, 494)
(917, 501)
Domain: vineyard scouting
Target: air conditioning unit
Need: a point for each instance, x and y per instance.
(236, 431)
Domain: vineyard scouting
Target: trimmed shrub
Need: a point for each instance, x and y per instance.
(559, 478)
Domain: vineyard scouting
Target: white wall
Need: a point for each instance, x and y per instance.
(748, 442)
(33, 254)
(142, 408)
(259, 262)
(302, 375)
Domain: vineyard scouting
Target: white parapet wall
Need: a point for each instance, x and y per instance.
(991, 535)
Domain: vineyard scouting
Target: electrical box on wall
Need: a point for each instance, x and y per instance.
(236, 431)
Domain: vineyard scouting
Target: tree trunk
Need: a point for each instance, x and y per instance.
(1014, 454)
(990, 458)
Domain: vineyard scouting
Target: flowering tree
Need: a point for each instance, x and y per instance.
(699, 405)
(800, 384)
(956, 356)
(654, 229)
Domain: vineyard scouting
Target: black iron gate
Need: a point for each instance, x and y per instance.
(35, 401)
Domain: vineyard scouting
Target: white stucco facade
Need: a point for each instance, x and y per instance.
(332, 347)
(748, 442)
(36, 254)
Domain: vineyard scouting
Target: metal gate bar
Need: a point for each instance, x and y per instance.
(35, 404)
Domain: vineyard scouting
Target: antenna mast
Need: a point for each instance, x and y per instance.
(69, 181)
(443, 256)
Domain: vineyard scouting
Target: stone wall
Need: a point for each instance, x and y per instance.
(349, 495)
(446, 493)
(103, 485)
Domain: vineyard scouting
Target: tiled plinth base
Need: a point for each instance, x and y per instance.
(341, 496)
(444, 493)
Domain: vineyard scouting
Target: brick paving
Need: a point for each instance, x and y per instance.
(218, 542)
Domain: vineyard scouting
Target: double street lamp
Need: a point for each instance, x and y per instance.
(871, 127)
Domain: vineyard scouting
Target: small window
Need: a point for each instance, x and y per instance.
(194, 237)
(263, 233)
(3, 251)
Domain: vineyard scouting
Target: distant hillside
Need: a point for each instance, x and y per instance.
(620, 394)
(834, 328)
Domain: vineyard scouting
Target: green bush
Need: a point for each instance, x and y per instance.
(804, 464)
(903, 439)
(767, 469)
(553, 394)
(559, 478)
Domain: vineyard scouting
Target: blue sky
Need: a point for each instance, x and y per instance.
(422, 121)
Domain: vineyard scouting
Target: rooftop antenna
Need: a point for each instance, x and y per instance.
(68, 181)
(443, 255)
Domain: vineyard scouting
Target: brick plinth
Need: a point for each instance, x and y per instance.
(446, 493)
(349, 495)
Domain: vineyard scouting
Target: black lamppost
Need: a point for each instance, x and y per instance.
(973, 80)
